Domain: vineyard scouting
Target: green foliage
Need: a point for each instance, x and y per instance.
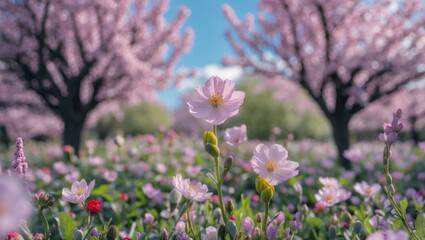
(261, 113)
(142, 118)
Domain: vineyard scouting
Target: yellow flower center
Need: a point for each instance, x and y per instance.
(329, 199)
(368, 191)
(215, 100)
(331, 185)
(80, 191)
(193, 188)
(271, 166)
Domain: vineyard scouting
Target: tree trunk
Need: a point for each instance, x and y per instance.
(414, 134)
(4, 137)
(341, 135)
(72, 132)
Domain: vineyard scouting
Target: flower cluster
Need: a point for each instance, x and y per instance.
(331, 193)
(392, 129)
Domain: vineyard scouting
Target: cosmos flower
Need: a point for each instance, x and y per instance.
(216, 101)
(235, 136)
(367, 190)
(79, 191)
(15, 205)
(332, 196)
(197, 192)
(271, 164)
(329, 182)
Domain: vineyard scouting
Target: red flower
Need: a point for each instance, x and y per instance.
(124, 197)
(94, 207)
(127, 238)
(14, 236)
(233, 217)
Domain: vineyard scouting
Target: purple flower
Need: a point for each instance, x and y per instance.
(391, 130)
(79, 191)
(216, 101)
(148, 218)
(20, 165)
(235, 136)
(271, 164)
(210, 233)
(389, 235)
(198, 192)
(15, 205)
(248, 226)
(272, 232)
(367, 190)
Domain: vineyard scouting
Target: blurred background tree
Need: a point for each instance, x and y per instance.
(147, 117)
(345, 54)
(74, 56)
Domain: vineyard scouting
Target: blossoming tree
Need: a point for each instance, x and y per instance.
(77, 55)
(345, 54)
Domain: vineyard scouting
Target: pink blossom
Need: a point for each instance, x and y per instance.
(110, 176)
(329, 182)
(79, 191)
(216, 101)
(367, 190)
(270, 163)
(332, 196)
(152, 193)
(20, 165)
(389, 235)
(236, 135)
(197, 192)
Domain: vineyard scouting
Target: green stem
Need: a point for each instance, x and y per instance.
(189, 222)
(45, 224)
(389, 191)
(264, 221)
(90, 221)
(219, 181)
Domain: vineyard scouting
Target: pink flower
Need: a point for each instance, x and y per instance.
(329, 182)
(332, 196)
(389, 235)
(270, 163)
(367, 190)
(79, 191)
(236, 135)
(216, 101)
(198, 192)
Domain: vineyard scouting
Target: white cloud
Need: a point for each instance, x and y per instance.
(202, 74)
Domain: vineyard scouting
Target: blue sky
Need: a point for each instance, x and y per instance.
(210, 45)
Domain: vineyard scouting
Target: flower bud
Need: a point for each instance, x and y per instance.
(232, 229)
(297, 187)
(14, 236)
(222, 232)
(357, 227)
(112, 233)
(148, 219)
(209, 137)
(175, 197)
(259, 218)
(119, 140)
(229, 207)
(228, 163)
(332, 232)
(267, 194)
(212, 150)
(164, 234)
(379, 213)
(78, 235)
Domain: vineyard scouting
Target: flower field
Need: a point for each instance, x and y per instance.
(220, 185)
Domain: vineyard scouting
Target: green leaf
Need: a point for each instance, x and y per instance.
(403, 206)
(209, 174)
(420, 225)
(66, 226)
